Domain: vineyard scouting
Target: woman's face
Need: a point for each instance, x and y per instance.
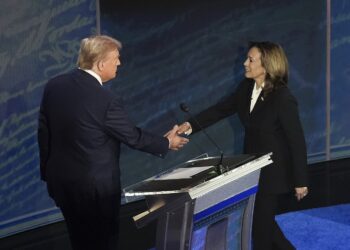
(253, 68)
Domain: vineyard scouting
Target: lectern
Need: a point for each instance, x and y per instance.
(204, 203)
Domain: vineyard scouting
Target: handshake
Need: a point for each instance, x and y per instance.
(175, 140)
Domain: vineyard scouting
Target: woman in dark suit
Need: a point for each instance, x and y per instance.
(269, 114)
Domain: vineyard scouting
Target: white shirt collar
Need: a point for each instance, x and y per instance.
(91, 72)
(257, 88)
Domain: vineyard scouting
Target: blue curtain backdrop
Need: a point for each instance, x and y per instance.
(39, 39)
(340, 79)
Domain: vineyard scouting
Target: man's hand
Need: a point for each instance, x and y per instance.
(301, 192)
(185, 128)
(175, 141)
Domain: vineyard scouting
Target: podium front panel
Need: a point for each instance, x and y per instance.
(197, 204)
(221, 230)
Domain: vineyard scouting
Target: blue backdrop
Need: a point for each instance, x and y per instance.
(39, 39)
(340, 79)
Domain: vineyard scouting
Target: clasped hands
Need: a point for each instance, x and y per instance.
(175, 140)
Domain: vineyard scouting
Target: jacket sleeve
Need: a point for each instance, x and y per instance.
(224, 108)
(119, 126)
(43, 139)
(290, 121)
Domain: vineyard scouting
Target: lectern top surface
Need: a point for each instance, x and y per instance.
(187, 175)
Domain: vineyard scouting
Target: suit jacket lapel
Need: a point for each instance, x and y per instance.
(248, 98)
(260, 103)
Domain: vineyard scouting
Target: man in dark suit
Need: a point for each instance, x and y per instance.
(81, 127)
(269, 114)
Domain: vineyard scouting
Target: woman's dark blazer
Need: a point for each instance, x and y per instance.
(273, 126)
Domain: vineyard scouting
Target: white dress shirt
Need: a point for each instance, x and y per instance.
(255, 95)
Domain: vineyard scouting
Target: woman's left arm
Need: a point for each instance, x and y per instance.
(290, 121)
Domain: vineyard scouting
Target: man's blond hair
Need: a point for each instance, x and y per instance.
(94, 49)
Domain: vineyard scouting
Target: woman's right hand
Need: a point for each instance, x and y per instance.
(184, 128)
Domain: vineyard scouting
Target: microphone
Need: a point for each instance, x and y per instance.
(219, 167)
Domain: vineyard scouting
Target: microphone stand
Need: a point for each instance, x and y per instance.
(219, 169)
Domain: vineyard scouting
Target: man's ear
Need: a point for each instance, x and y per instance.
(100, 65)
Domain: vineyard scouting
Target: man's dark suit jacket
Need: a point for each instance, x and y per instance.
(272, 126)
(81, 127)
